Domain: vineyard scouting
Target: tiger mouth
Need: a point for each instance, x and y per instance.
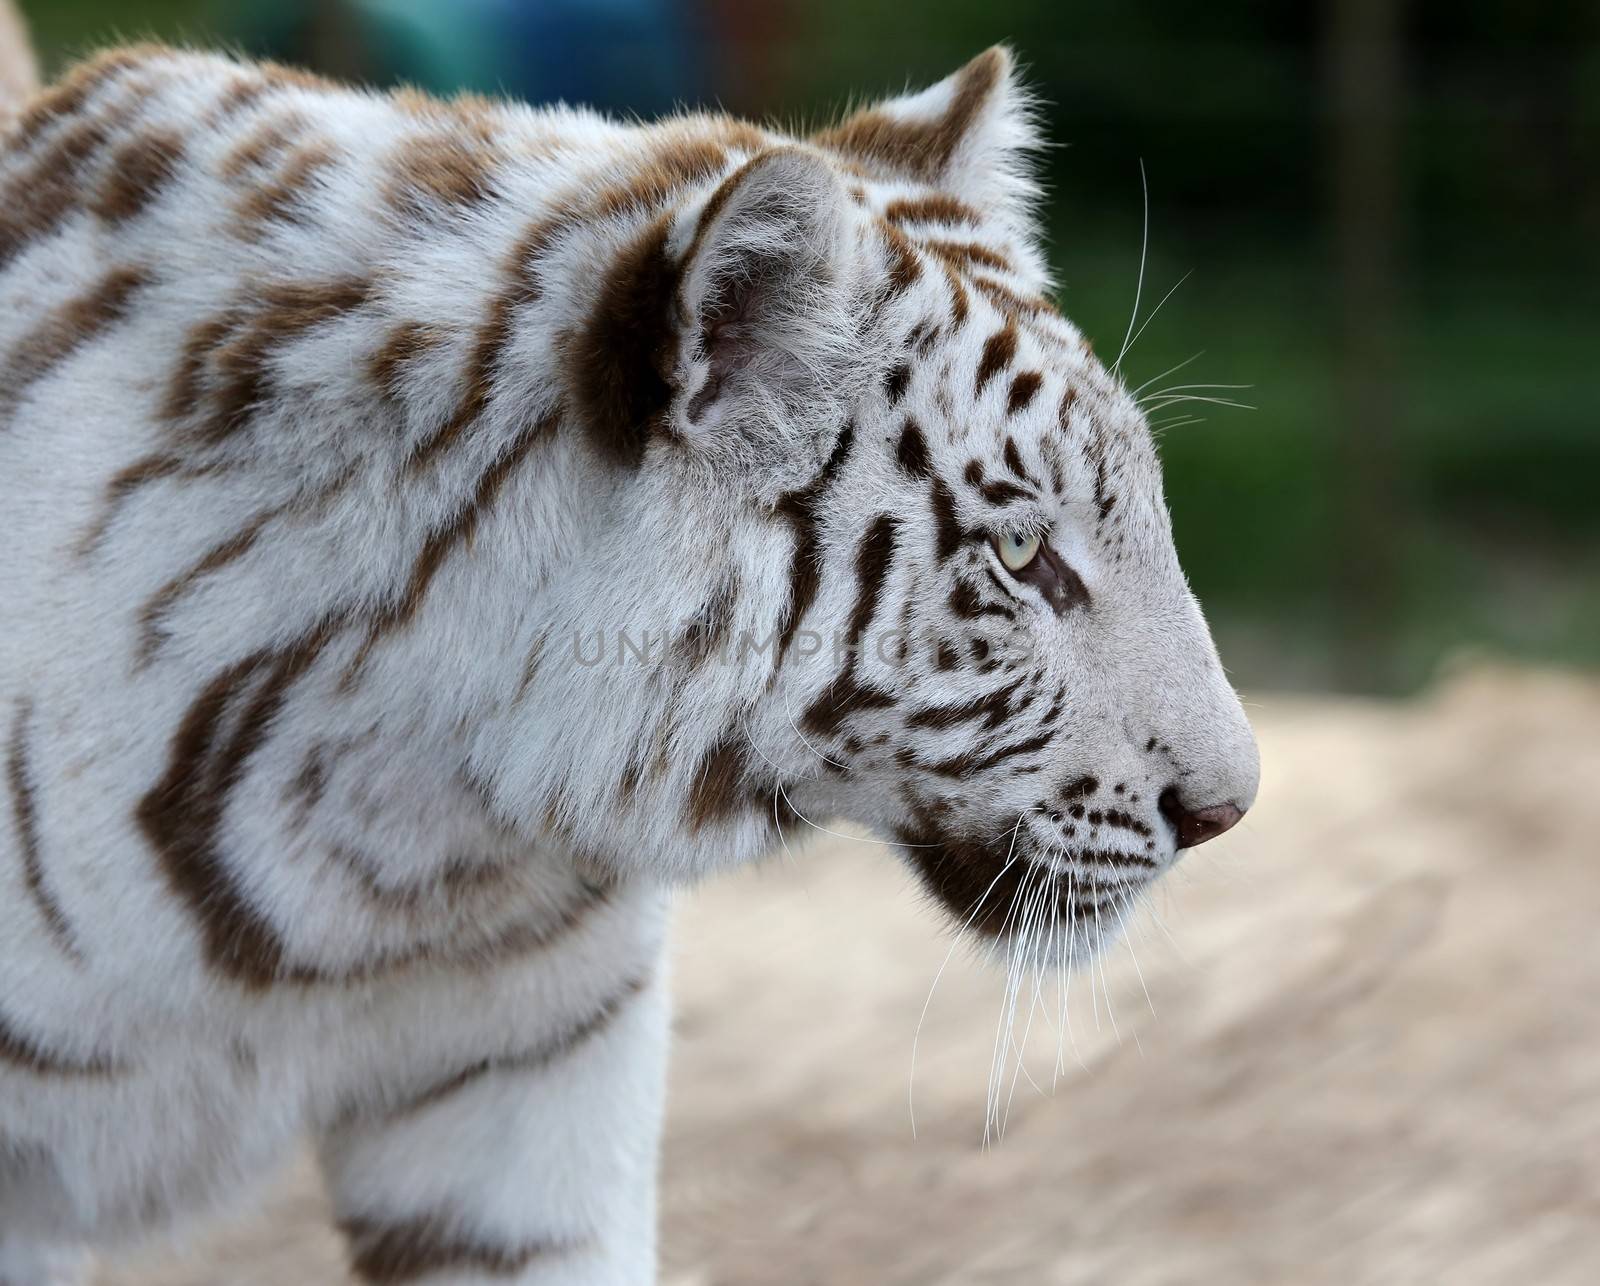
(1079, 897)
(994, 891)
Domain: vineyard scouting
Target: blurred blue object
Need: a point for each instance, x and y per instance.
(639, 56)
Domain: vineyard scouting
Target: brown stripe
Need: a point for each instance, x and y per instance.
(1013, 459)
(976, 885)
(628, 783)
(282, 76)
(238, 349)
(1051, 450)
(160, 603)
(437, 173)
(533, 1060)
(1011, 304)
(967, 603)
(185, 389)
(972, 761)
(1104, 499)
(921, 337)
(446, 887)
(719, 788)
(912, 452)
(405, 344)
(457, 530)
(139, 170)
(125, 483)
(998, 351)
(708, 631)
(619, 364)
(947, 526)
(845, 694)
(921, 148)
(802, 510)
(937, 208)
(33, 203)
(241, 94)
(306, 789)
(667, 168)
(494, 334)
(993, 708)
(391, 1252)
(181, 816)
(281, 200)
(959, 303)
(904, 266)
(894, 383)
(530, 668)
(714, 205)
(874, 555)
(24, 809)
(263, 145)
(965, 255)
(1003, 493)
(518, 939)
(68, 327)
(980, 888)
(1023, 388)
(23, 1051)
(69, 96)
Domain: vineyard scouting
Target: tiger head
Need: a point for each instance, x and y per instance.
(896, 536)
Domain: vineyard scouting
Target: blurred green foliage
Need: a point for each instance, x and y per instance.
(1484, 532)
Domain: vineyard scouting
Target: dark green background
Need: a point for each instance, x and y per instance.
(1391, 215)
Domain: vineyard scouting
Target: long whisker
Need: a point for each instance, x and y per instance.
(1008, 1006)
(1105, 983)
(911, 1081)
(1066, 979)
(1032, 942)
(1160, 922)
(1157, 309)
(777, 821)
(1138, 290)
(1171, 370)
(804, 740)
(1128, 918)
(1178, 388)
(1183, 422)
(1156, 403)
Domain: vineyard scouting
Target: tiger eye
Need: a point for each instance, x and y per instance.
(1017, 551)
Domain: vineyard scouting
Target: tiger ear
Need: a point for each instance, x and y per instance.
(764, 311)
(969, 135)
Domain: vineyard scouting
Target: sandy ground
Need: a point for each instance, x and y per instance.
(1370, 1051)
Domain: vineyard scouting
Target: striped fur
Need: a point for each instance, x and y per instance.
(438, 528)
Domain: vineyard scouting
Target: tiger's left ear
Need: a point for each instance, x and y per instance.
(969, 136)
(766, 316)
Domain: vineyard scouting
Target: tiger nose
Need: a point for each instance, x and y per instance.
(1197, 825)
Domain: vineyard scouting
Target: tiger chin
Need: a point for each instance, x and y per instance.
(438, 528)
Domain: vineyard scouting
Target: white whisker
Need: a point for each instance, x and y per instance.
(1156, 403)
(1171, 370)
(977, 905)
(1138, 290)
(1157, 309)
(1105, 983)
(789, 715)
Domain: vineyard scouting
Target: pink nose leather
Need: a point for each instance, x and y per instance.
(1197, 826)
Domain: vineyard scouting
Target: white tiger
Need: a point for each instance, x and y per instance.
(433, 531)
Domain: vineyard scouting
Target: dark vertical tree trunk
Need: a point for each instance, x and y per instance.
(1364, 58)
